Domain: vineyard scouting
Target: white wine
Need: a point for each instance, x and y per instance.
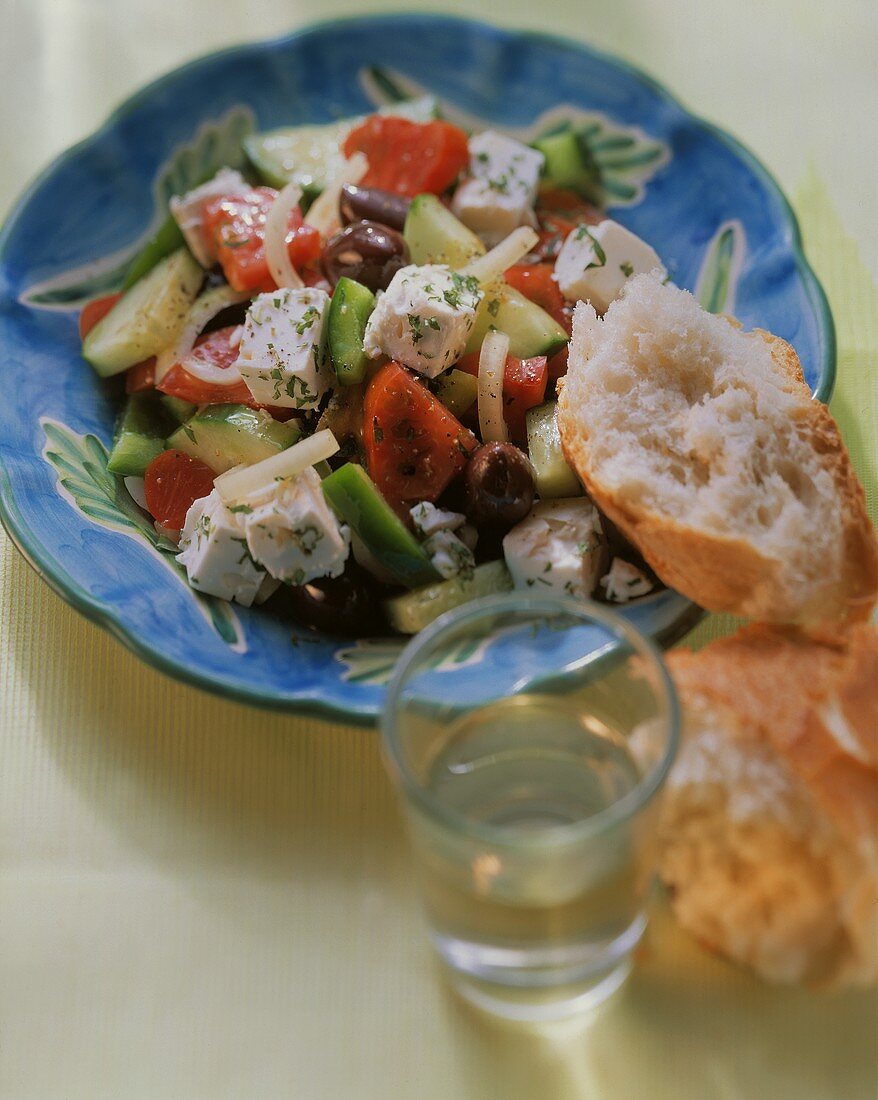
(525, 763)
(530, 750)
(525, 766)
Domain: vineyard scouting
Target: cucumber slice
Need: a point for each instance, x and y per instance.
(457, 391)
(531, 330)
(552, 476)
(147, 317)
(435, 236)
(569, 163)
(223, 436)
(163, 242)
(178, 409)
(349, 311)
(355, 498)
(140, 435)
(306, 155)
(311, 155)
(412, 611)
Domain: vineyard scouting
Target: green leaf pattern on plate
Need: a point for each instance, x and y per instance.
(718, 278)
(84, 481)
(215, 145)
(624, 157)
(372, 660)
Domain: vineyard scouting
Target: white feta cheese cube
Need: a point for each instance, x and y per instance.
(214, 552)
(424, 318)
(559, 546)
(625, 581)
(449, 556)
(282, 354)
(499, 195)
(428, 519)
(187, 211)
(596, 261)
(294, 534)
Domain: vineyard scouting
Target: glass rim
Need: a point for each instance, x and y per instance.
(553, 835)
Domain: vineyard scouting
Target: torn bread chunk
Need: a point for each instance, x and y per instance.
(769, 827)
(703, 444)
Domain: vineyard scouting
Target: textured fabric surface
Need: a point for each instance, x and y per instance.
(201, 900)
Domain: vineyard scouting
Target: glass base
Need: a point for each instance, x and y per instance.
(541, 1005)
(538, 985)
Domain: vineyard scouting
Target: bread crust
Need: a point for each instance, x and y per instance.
(813, 701)
(783, 687)
(722, 573)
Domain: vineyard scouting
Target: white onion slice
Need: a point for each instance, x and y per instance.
(492, 366)
(277, 226)
(136, 491)
(252, 481)
(509, 251)
(324, 214)
(205, 307)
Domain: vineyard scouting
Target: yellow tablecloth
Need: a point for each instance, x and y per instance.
(200, 900)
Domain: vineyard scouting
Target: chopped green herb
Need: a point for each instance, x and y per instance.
(415, 325)
(584, 231)
(308, 318)
(246, 552)
(306, 538)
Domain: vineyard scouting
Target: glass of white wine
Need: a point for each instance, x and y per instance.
(529, 738)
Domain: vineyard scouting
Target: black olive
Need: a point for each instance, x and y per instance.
(367, 252)
(372, 204)
(499, 485)
(345, 605)
(232, 315)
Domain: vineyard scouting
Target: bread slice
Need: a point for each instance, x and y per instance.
(769, 828)
(703, 444)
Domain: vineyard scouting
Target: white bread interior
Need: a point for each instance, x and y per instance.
(769, 828)
(703, 444)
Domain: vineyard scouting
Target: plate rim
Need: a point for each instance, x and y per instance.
(309, 704)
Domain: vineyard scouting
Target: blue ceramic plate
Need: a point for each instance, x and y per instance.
(717, 219)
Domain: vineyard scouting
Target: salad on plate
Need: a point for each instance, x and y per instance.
(341, 365)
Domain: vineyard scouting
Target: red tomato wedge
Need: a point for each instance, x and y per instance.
(559, 211)
(558, 364)
(312, 275)
(535, 282)
(141, 376)
(409, 158)
(171, 483)
(95, 311)
(236, 226)
(213, 350)
(414, 446)
(524, 386)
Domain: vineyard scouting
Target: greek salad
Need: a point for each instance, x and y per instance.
(340, 361)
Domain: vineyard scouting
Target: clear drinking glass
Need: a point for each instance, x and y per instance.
(529, 737)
